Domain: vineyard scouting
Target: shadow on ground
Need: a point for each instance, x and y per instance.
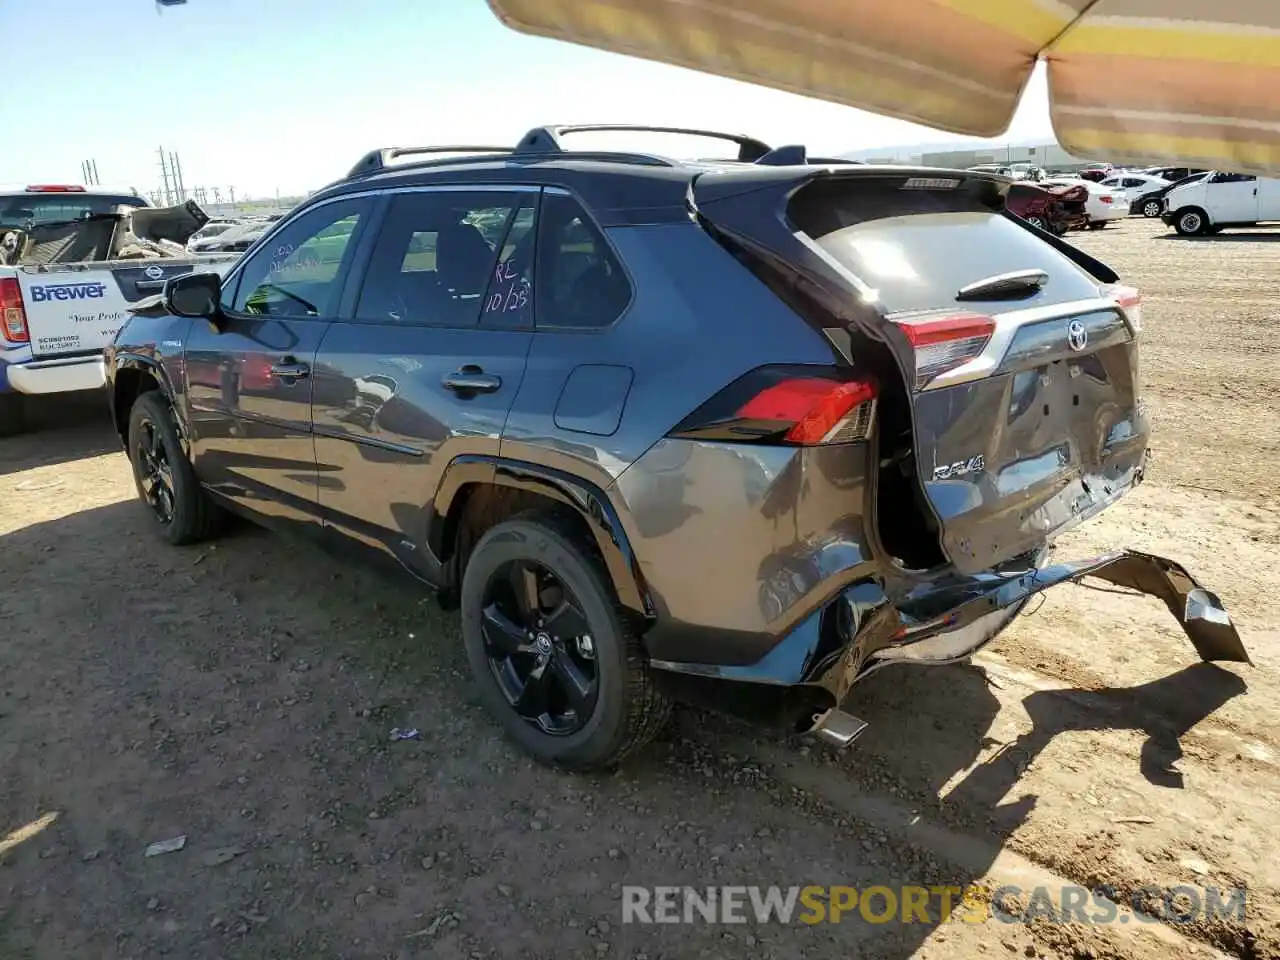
(60, 429)
(241, 694)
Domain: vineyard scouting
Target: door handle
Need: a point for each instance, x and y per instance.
(290, 369)
(471, 379)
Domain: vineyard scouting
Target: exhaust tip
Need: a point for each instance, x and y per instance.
(836, 728)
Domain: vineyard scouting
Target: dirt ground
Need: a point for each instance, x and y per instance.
(241, 695)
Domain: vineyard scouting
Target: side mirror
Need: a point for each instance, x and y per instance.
(194, 295)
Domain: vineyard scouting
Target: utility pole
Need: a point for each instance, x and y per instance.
(94, 165)
(164, 176)
(232, 191)
(175, 170)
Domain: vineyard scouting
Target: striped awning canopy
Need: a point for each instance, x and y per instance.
(1190, 81)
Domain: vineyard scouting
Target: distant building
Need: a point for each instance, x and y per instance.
(1048, 156)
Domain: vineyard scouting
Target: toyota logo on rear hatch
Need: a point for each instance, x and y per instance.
(154, 273)
(1077, 335)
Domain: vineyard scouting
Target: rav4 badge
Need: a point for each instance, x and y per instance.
(960, 468)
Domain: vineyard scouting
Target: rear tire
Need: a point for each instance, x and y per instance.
(13, 414)
(1097, 224)
(1191, 222)
(1038, 222)
(626, 708)
(165, 480)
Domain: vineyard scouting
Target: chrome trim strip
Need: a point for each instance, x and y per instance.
(1007, 326)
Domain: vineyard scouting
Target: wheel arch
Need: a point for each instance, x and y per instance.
(135, 375)
(589, 502)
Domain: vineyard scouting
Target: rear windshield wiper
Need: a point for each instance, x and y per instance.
(1019, 283)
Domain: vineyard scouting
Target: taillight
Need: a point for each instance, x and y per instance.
(13, 316)
(819, 410)
(1128, 299)
(1105, 199)
(797, 405)
(944, 342)
(54, 188)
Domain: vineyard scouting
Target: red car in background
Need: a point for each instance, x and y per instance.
(1055, 209)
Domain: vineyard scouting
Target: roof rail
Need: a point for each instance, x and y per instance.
(376, 160)
(544, 140)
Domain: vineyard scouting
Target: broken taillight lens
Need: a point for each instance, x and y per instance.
(943, 342)
(13, 315)
(797, 405)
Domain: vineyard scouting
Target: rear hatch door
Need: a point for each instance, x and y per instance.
(1010, 354)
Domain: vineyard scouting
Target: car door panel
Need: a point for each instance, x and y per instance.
(1234, 200)
(416, 377)
(386, 425)
(249, 379)
(251, 429)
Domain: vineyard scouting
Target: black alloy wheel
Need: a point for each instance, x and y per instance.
(539, 647)
(154, 472)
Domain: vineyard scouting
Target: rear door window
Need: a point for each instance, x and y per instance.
(508, 302)
(916, 248)
(436, 255)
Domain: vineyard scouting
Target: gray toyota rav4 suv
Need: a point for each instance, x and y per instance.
(737, 431)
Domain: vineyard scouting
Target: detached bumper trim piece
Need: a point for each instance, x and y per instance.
(984, 610)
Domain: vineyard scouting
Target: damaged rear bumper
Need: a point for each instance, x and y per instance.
(939, 625)
(937, 622)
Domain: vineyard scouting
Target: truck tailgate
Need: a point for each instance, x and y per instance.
(77, 310)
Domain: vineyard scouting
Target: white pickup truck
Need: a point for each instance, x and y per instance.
(73, 260)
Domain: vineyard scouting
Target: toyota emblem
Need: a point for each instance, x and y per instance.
(154, 273)
(1077, 336)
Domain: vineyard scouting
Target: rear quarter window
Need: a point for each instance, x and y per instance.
(918, 248)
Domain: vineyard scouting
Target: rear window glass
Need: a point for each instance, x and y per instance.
(918, 248)
(32, 209)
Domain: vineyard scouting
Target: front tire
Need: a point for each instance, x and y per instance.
(557, 660)
(163, 475)
(1152, 208)
(1191, 223)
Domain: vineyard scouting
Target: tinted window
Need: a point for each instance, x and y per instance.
(580, 283)
(435, 256)
(509, 300)
(298, 271)
(1111, 182)
(1232, 178)
(917, 248)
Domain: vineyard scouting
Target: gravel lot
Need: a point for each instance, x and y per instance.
(242, 694)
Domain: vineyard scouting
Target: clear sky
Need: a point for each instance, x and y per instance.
(285, 95)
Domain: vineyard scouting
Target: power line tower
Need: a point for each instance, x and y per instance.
(175, 170)
(166, 188)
